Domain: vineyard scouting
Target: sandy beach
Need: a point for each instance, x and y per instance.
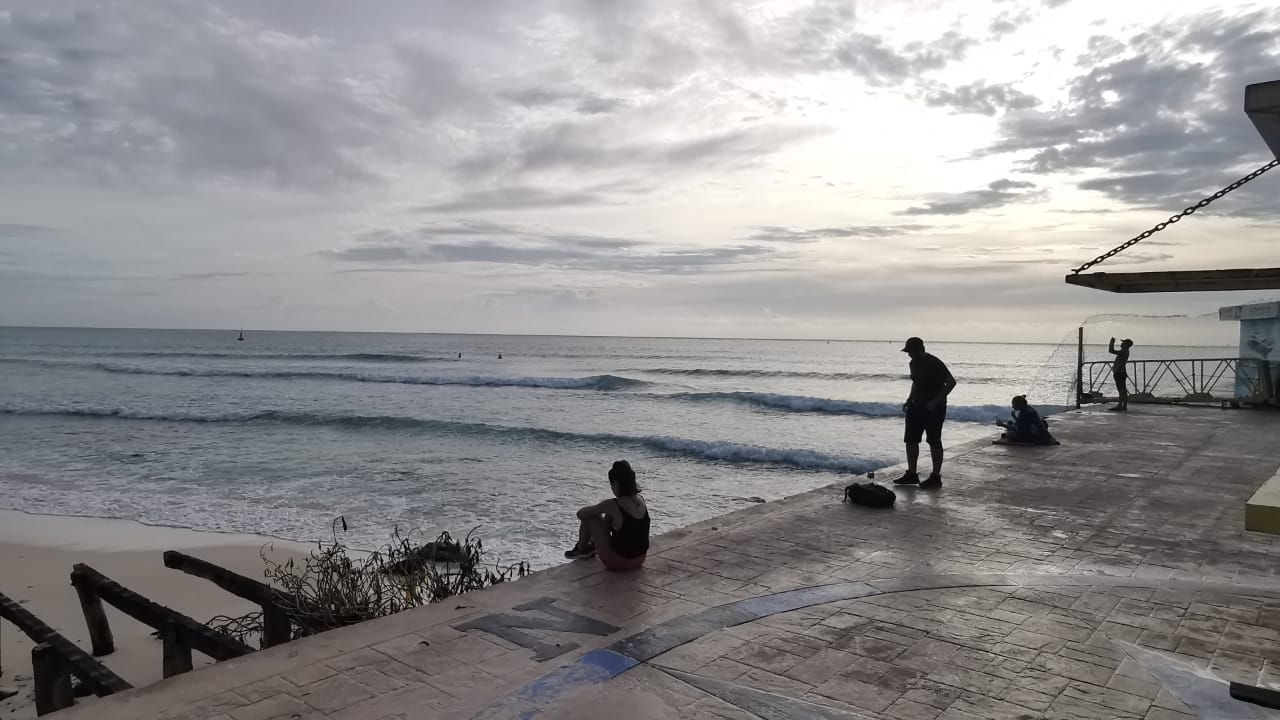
(36, 555)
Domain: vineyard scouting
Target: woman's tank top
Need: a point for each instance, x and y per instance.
(631, 539)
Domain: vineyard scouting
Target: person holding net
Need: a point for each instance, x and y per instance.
(1121, 369)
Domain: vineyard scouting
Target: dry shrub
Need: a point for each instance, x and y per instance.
(332, 588)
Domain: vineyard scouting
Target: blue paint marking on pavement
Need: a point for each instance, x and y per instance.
(609, 661)
(602, 665)
(648, 644)
(595, 667)
(766, 605)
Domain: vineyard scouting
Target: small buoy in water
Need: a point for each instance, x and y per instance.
(499, 356)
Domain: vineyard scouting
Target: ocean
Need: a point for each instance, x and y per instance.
(283, 432)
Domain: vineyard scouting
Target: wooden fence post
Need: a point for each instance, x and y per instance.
(52, 680)
(177, 654)
(193, 634)
(276, 627)
(95, 617)
(1079, 365)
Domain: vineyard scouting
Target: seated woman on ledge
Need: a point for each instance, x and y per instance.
(615, 530)
(1026, 426)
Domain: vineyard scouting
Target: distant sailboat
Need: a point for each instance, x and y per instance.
(241, 338)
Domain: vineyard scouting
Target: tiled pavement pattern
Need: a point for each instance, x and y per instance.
(1132, 530)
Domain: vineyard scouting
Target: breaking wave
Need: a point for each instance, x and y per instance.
(752, 372)
(592, 382)
(802, 374)
(830, 406)
(717, 451)
(357, 357)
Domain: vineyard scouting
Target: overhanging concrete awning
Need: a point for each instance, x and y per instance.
(1262, 104)
(1180, 280)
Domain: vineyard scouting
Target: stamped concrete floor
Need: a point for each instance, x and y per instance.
(1110, 577)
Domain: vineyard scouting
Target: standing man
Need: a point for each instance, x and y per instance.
(926, 409)
(1121, 369)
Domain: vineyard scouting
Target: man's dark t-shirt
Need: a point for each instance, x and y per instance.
(929, 376)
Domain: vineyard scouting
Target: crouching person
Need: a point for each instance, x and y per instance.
(1025, 425)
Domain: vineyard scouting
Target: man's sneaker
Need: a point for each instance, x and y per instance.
(579, 553)
(909, 478)
(933, 482)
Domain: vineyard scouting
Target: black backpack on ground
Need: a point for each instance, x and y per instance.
(870, 495)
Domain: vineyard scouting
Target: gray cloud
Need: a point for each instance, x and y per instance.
(872, 58)
(374, 253)
(523, 197)
(557, 298)
(578, 147)
(772, 233)
(433, 85)
(654, 48)
(1155, 115)
(564, 256)
(996, 194)
(980, 98)
(527, 246)
(582, 102)
(20, 230)
(127, 92)
(217, 275)
(1007, 22)
(235, 92)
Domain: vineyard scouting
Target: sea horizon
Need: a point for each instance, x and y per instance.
(581, 335)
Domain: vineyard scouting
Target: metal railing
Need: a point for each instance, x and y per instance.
(1235, 380)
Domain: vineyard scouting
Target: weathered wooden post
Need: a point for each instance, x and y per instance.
(52, 680)
(95, 616)
(276, 627)
(1079, 365)
(177, 654)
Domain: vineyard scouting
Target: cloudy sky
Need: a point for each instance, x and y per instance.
(676, 167)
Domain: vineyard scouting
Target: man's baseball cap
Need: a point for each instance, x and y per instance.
(913, 343)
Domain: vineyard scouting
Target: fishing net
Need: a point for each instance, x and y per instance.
(1174, 358)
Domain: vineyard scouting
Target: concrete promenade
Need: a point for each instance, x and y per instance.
(1110, 577)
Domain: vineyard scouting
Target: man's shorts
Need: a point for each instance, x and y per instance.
(922, 423)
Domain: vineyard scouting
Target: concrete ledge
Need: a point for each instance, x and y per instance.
(1262, 104)
(1262, 512)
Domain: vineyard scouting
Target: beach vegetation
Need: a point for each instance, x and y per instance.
(335, 586)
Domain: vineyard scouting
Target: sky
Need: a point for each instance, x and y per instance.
(806, 169)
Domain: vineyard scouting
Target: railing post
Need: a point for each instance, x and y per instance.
(1079, 365)
(276, 627)
(95, 617)
(177, 655)
(52, 680)
(1268, 387)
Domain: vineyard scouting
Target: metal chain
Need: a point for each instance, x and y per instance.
(1134, 241)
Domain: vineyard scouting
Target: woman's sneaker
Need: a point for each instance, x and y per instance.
(909, 478)
(933, 482)
(579, 553)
